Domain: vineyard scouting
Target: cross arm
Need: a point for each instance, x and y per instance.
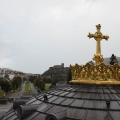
(106, 37)
(91, 35)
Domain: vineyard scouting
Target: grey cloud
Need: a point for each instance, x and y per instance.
(35, 35)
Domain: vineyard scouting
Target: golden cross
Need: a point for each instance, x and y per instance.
(98, 36)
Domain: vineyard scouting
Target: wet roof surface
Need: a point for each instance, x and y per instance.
(76, 101)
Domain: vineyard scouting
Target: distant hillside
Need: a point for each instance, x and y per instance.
(56, 73)
(6, 68)
(10, 70)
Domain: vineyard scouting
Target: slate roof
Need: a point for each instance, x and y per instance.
(71, 102)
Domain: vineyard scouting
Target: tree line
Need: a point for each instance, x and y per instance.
(8, 85)
(37, 81)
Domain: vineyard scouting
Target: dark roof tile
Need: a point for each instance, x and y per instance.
(79, 101)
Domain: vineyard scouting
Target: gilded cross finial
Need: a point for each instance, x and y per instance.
(98, 36)
(98, 73)
(98, 26)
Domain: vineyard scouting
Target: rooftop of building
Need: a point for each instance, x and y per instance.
(70, 102)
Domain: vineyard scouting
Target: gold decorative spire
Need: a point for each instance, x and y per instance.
(99, 73)
(98, 36)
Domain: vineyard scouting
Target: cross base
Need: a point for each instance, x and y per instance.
(98, 58)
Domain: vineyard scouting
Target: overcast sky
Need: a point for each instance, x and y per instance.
(37, 34)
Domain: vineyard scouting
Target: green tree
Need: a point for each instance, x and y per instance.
(7, 76)
(113, 59)
(47, 80)
(5, 85)
(1, 93)
(54, 82)
(69, 76)
(39, 83)
(17, 81)
(24, 79)
(8, 86)
(32, 78)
